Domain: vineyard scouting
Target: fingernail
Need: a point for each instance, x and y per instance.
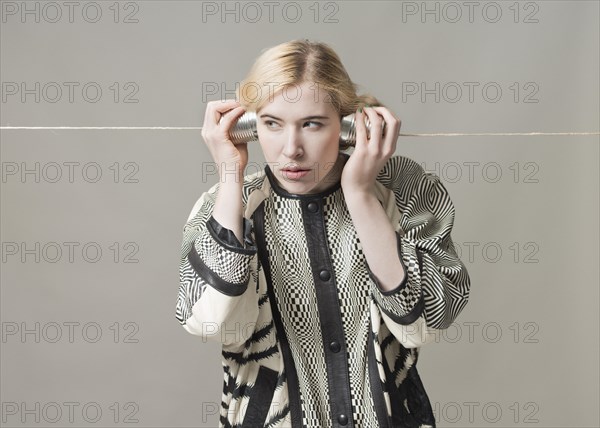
(360, 109)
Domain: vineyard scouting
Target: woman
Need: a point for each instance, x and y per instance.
(322, 275)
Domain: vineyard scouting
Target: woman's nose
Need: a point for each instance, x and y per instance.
(293, 146)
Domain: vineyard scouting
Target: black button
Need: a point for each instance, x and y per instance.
(343, 419)
(313, 207)
(335, 346)
(324, 275)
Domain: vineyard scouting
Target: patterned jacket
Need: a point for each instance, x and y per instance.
(309, 339)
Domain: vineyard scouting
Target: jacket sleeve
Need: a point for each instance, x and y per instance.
(436, 284)
(218, 296)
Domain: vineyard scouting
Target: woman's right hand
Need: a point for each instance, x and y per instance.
(219, 118)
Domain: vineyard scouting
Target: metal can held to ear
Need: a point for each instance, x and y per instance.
(245, 130)
(348, 131)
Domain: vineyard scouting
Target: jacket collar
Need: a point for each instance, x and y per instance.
(384, 195)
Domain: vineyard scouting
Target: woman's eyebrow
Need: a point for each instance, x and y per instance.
(304, 118)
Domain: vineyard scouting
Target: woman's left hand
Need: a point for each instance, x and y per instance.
(370, 154)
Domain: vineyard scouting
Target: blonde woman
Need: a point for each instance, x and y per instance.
(323, 274)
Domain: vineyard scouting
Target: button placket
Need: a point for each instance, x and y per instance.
(326, 295)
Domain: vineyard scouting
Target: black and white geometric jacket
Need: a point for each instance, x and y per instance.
(309, 339)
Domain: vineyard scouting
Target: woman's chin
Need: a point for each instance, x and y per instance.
(297, 188)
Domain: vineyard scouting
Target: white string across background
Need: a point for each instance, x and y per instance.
(193, 128)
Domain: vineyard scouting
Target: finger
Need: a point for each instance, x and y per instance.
(388, 115)
(218, 108)
(388, 131)
(224, 105)
(376, 121)
(392, 126)
(361, 128)
(233, 115)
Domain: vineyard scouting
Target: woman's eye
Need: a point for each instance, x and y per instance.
(267, 122)
(316, 123)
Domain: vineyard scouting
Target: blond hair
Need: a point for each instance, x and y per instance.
(295, 62)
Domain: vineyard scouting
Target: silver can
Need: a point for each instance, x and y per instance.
(348, 130)
(244, 130)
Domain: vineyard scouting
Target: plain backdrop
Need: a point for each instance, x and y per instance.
(92, 219)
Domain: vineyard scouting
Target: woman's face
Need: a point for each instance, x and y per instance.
(298, 130)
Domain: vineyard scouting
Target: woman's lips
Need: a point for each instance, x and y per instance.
(295, 174)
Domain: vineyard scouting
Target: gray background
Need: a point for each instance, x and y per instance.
(523, 353)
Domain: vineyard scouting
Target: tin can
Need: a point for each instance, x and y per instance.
(244, 130)
(348, 130)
